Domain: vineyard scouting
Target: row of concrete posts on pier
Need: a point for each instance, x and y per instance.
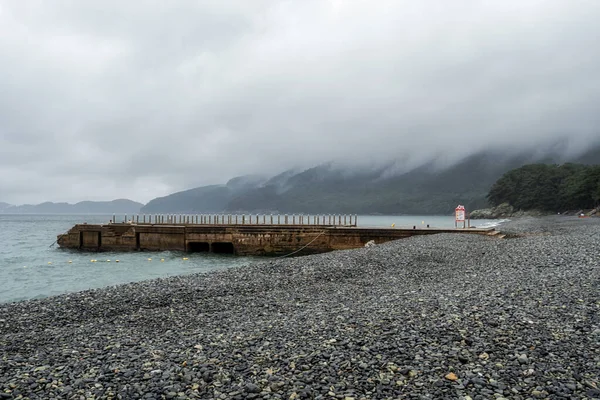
(233, 219)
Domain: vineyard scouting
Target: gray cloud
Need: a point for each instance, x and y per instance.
(106, 99)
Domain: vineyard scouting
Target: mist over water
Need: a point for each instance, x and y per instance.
(32, 266)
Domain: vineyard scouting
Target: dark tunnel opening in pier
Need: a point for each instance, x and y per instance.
(198, 247)
(223, 248)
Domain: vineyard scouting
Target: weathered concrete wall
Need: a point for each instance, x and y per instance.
(281, 240)
(246, 239)
(90, 239)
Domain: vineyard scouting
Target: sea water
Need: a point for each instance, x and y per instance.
(32, 266)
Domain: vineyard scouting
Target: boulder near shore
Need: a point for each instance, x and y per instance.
(445, 316)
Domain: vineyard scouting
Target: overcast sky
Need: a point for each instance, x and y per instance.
(103, 99)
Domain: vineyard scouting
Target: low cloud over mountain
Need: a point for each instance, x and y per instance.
(104, 99)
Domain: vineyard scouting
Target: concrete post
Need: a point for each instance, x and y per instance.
(271, 219)
(278, 219)
(137, 219)
(285, 219)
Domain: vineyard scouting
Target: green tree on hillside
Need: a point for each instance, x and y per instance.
(548, 187)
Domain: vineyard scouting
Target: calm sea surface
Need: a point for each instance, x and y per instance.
(32, 267)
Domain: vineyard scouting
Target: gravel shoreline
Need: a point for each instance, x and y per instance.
(441, 316)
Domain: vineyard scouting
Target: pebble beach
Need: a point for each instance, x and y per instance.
(444, 316)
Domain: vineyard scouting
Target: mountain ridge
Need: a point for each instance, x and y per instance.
(82, 207)
(425, 189)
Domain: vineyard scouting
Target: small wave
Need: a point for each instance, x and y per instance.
(492, 223)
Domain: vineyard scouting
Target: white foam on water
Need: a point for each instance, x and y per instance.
(490, 223)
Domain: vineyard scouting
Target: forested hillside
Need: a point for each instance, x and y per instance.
(426, 189)
(548, 187)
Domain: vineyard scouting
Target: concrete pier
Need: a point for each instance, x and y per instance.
(255, 235)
